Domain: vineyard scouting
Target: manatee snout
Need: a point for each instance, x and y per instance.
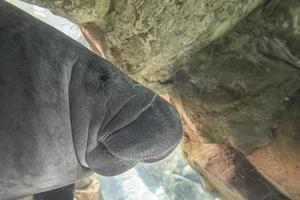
(145, 128)
(139, 126)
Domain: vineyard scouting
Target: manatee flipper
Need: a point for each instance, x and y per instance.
(64, 193)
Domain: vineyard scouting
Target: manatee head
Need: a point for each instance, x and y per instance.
(127, 122)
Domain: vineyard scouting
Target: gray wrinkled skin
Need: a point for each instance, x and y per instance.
(65, 112)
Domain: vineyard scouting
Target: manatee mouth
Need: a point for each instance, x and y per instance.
(102, 161)
(145, 128)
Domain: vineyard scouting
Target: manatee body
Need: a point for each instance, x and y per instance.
(65, 112)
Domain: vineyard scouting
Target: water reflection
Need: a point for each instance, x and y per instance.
(61, 24)
(169, 179)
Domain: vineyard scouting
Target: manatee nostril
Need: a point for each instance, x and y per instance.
(107, 79)
(97, 77)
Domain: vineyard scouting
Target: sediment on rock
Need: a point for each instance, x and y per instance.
(239, 89)
(150, 39)
(280, 161)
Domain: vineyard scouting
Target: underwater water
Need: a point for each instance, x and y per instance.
(169, 179)
(61, 24)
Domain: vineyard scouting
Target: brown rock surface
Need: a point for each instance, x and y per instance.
(150, 39)
(226, 171)
(238, 87)
(88, 189)
(280, 160)
(242, 91)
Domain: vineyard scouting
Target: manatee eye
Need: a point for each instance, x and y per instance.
(104, 77)
(96, 76)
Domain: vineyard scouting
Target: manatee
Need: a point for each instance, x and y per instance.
(66, 113)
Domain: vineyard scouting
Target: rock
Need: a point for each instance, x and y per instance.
(229, 172)
(88, 189)
(84, 183)
(76, 11)
(242, 91)
(27, 198)
(95, 38)
(236, 87)
(280, 160)
(226, 171)
(150, 39)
